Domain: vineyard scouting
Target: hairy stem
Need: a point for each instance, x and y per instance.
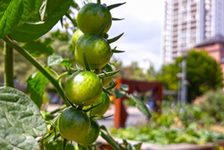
(35, 63)
(8, 65)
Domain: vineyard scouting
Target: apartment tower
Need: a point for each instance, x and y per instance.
(189, 22)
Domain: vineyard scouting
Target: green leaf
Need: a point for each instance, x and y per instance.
(37, 48)
(36, 85)
(138, 146)
(124, 87)
(67, 63)
(21, 121)
(29, 31)
(10, 14)
(31, 10)
(118, 93)
(140, 105)
(54, 60)
(58, 145)
(14, 12)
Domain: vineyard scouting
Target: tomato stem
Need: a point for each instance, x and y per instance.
(8, 65)
(110, 140)
(98, 1)
(35, 63)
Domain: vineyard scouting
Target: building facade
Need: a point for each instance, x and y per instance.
(215, 48)
(189, 22)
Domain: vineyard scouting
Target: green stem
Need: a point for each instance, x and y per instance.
(8, 66)
(35, 63)
(58, 110)
(110, 140)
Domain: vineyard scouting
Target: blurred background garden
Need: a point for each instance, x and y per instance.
(184, 95)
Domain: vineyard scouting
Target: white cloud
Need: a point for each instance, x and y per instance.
(143, 29)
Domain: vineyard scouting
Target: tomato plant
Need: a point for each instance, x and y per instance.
(78, 80)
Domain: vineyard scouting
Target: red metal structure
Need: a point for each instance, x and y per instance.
(135, 86)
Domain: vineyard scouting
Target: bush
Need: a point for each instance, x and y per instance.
(213, 105)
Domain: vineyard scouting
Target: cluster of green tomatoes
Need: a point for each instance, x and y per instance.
(84, 88)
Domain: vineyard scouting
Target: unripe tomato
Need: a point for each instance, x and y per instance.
(94, 19)
(104, 103)
(76, 36)
(92, 134)
(96, 50)
(83, 88)
(74, 124)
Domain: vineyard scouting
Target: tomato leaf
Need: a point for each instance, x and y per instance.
(21, 121)
(58, 145)
(140, 105)
(14, 12)
(10, 14)
(36, 48)
(31, 10)
(54, 60)
(29, 31)
(36, 85)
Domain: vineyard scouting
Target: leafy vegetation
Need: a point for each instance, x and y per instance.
(202, 71)
(212, 103)
(189, 124)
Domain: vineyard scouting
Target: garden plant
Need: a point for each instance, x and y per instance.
(84, 82)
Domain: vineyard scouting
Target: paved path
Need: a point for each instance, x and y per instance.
(135, 117)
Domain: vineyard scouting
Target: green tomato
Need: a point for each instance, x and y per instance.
(104, 103)
(83, 88)
(96, 50)
(94, 19)
(74, 124)
(92, 134)
(76, 36)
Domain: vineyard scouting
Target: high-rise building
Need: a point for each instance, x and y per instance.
(189, 22)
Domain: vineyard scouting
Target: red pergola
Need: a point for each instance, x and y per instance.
(135, 86)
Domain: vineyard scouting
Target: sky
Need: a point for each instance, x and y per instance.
(142, 27)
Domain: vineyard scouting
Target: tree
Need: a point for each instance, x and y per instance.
(203, 74)
(133, 71)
